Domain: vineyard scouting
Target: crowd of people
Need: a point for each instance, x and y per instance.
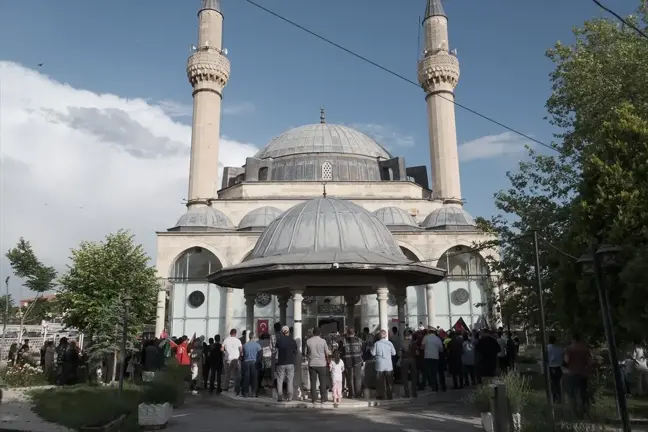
(346, 365)
(60, 363)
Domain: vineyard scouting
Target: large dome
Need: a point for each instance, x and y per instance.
(329, 230)
(323, 138)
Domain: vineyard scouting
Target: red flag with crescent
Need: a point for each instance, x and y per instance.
(262, 327)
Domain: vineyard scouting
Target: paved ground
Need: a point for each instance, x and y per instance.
(445, 413)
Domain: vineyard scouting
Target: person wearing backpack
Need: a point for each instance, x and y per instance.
(468, 361)
(264, 364)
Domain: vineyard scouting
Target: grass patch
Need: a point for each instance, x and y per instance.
(83, 405)
(79, 406)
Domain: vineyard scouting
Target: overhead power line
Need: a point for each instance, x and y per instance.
(620, 18)
(396, 74)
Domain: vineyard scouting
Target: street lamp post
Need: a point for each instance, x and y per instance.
(126, 299)
(593, 263)
(543, 325)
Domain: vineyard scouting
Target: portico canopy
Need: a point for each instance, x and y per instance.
(326, 241)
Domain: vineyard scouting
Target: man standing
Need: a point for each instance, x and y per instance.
(409, 372)
(232, 352)
(251, 357)
(556, 356)
(432, 350)
(216, 365)
(317, 351)
(383, 351)
(579, 363)
(352, 356)
(487, 350)
(286, 348)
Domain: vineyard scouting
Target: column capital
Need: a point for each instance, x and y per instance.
(283, 300)
(297, 294)
(383, 293)
(249, 299)
(400, 299)
(229, 290)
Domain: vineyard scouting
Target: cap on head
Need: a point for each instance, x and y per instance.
(285, 330)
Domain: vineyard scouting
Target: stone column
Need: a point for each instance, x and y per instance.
(297, 299)
(249, 314)
(383, 296)
(431, 312)
(283, 309)
(350, 312)
(229, 310)
(400, 303)
(160, 316)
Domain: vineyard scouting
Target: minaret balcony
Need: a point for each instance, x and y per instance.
(439, 67)
(208, 66)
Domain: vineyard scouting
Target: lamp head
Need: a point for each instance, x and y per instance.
(608, 255)
(586, 261)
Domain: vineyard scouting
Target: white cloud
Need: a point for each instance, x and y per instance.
(76, 165)
(385, 135)
(492, 146)
(177, 109)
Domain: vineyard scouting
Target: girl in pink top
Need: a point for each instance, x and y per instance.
(336, 367)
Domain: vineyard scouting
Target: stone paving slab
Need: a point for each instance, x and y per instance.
(16, 413)
(344, 403)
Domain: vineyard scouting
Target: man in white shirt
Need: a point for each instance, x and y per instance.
(232, 352)
(432, 350)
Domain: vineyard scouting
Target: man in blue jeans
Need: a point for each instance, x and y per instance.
(251, 351)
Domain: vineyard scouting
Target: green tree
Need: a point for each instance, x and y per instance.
(594, 187)
(92, 290)
(36, 276)
(3, 305)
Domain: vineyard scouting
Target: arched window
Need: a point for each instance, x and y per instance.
(409, 254)
(263, 173)
(462, 262)
(195, 264)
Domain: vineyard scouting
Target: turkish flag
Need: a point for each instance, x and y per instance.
(262, 327)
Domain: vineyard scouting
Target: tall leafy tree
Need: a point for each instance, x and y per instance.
(594, 187)
(36, 276)
(93, 289)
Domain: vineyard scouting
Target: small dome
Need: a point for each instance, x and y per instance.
(203, 218)
(395, 218)
(329, 230)
(449, 219)
(259, 218)
(323, 138)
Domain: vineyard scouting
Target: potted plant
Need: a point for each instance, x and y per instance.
(481, 399)
(517, 391)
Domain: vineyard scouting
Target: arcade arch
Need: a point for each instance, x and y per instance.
(194, 265)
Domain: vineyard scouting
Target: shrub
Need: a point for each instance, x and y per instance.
(22, 376)
(517, 391)
(167, 386)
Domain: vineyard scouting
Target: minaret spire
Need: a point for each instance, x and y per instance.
(322, 116)
(438, 74)
(434, 8)
(208, 71)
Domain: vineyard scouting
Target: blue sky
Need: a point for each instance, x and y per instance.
(139, 49)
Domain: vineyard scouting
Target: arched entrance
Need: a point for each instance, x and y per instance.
(461, 293)
(196, 306)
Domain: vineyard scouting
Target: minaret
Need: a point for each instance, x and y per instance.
(438, 73)
(208, 71)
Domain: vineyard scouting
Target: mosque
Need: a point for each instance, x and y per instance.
(323, 226)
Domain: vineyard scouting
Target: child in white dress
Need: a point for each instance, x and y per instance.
(337, 368)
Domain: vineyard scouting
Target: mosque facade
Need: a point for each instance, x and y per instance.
(424, 217)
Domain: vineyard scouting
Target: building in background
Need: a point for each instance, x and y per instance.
(224, 219)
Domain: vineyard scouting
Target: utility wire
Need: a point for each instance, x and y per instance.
(620, 18)
(395, 74)
(557, 249)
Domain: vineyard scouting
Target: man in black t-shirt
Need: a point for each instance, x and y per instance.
(487, 348)
(215, 365)
(286, 354)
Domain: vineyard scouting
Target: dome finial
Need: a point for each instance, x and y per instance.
(322, 116)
